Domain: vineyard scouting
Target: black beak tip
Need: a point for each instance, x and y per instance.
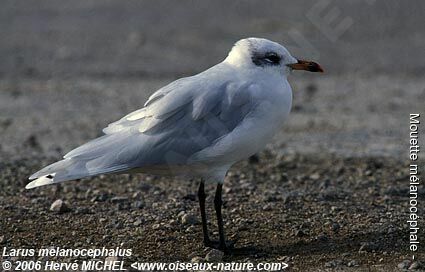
(314, 67)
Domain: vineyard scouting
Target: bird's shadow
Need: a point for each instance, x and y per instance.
(244, 251)
(352, 243)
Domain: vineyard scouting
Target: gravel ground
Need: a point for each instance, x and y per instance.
(330, 193)
(314, 212)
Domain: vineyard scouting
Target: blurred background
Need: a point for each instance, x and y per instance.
(69, 68)
(329, 191)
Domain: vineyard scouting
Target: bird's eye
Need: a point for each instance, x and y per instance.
(272, 58)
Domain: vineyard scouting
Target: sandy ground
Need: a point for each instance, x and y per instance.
(330, 193)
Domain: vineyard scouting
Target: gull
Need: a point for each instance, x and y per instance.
(196, 127)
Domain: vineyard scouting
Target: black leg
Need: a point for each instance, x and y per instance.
(201, 198)
(217, 205)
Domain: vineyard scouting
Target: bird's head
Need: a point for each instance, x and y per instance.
(264, 54)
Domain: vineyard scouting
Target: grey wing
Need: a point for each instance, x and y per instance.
(177, 121)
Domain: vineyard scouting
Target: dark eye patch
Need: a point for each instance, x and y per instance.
(272, 58)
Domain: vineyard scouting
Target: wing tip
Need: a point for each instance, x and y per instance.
(41, 181)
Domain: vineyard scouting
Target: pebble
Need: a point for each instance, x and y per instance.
(2, 239)
(367, 247)
(137, 223)
(334, 263)
(119, 199)
(197, 259)
(99, 196)
(137, 195)
(391, 230)
(139, 204)
(300, 233)
(415, 266)
(122, 206)
(284, 258)
(330, 264)
(335, 227)
(267, 207)
(322, 237)
(335, 208)
(118, 225)
(404, 264)
(191, 229)
(315, 176)
(352, 263)
(188, 219)
(111, 259)
(59, 206)
(214, 255)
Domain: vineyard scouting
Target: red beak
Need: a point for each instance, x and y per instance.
(306, 65)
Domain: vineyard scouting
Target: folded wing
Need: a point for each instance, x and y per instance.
(177, 121)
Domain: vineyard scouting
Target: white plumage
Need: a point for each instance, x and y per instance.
(196, 126)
